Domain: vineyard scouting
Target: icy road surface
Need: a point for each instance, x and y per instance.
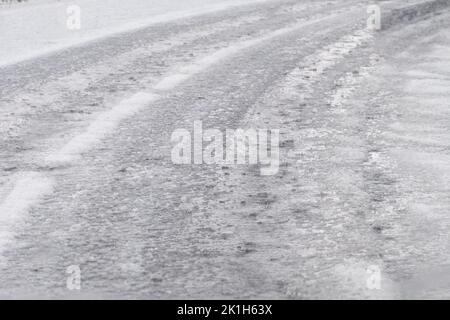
(87, 180)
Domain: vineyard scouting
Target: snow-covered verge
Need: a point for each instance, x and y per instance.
(41, 27)
(416, 139)
(412, 11)
(37, 27)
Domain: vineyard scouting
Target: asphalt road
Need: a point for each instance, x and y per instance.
(139, 226)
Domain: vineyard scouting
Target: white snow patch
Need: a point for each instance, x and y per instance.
(428, 106)
(104, 125)
(315, 65)
(28, 189)
(425, 74)
(29, 31)
(428, 86)
(350, 83)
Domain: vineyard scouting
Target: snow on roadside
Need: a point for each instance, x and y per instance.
(81, 80)
(407, 163)
(35, 29)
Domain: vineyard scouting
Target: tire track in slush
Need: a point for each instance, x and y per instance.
(32, 187)
(30, 109)
(296, 89)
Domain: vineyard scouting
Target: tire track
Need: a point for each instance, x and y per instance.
(108, 121)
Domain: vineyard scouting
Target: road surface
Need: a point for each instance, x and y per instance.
(87, 180)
